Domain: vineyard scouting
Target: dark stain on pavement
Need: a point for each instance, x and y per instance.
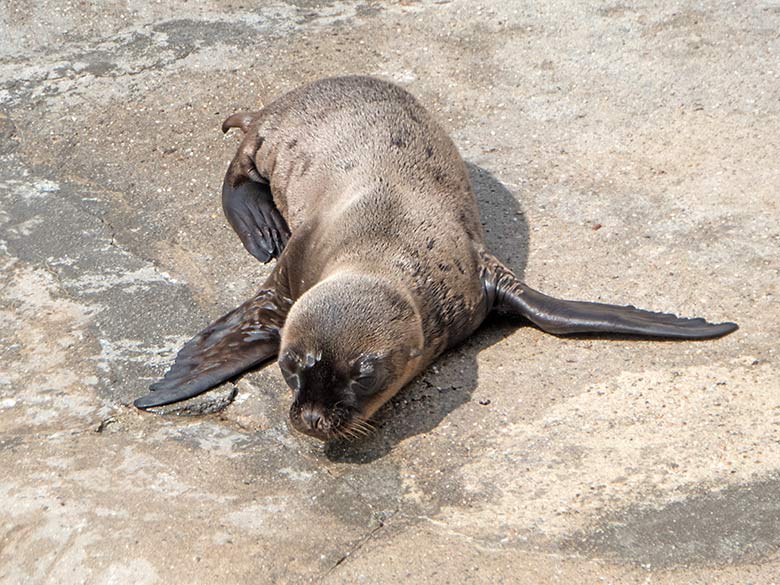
(740, 524)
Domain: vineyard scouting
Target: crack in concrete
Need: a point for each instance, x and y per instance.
(382, 523)
(352, 488)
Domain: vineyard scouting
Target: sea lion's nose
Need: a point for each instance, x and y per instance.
(311, 417)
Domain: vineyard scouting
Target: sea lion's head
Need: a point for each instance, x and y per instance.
(348, 345)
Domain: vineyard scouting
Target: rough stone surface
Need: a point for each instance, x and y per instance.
(621, 152)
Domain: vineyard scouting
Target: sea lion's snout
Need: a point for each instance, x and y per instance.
(311, 417)
(320, 422)
(310, 420)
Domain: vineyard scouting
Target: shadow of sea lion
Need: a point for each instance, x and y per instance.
(423, 404)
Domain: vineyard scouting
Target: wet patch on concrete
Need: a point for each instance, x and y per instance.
(129, 53)
(738, 524)
(139, 315)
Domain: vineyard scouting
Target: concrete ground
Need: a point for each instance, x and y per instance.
(621, 152)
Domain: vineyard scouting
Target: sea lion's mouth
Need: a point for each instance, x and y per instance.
(329, 424)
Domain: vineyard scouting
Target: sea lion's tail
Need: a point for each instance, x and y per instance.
(239, 120)
(509, 295)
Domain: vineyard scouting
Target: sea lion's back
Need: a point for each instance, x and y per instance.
(344, 135)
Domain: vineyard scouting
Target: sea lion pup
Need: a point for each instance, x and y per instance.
(382, 266)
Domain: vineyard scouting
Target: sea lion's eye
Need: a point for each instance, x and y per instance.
(368, 373)
(363, 384)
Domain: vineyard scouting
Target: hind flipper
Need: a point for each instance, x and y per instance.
(511, 296)
(239, 120)
(245, 337)
(246, 196)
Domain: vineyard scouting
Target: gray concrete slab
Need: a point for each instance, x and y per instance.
(620, 152)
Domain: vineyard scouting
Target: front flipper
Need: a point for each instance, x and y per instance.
(245, 337)
(251, 211)
(509, 295)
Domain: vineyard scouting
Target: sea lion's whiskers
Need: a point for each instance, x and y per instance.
(366, 428)
(366, 423)
(359, 430)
